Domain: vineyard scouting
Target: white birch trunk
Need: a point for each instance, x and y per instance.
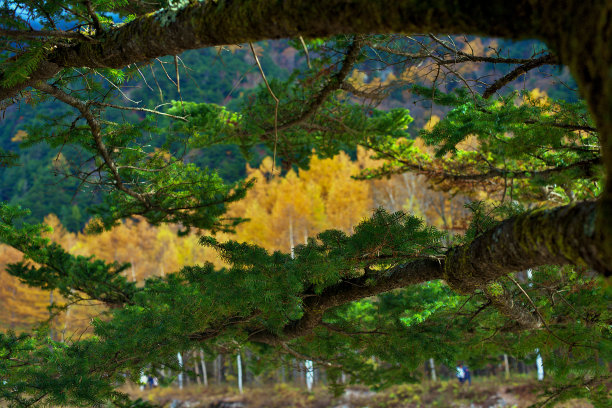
(239, 364)
(309, 374)
(133, 271)
(432, 366)
(203, 363)
(197, 369)
(506, 366)
(180, 376)
(291, 244)
(539, 361)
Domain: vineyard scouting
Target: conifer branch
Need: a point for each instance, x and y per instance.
(509, 307)
(96, 133)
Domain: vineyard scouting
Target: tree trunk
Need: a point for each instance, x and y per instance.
(180, 364)
(203, 363)
(309, 373)
(196, 369)
(239, 366)
(506, 366)
(432, 367)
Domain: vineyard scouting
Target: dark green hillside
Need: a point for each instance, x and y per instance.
(214, 76)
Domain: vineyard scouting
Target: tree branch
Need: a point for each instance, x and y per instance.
(407, 274)
(518, 71)
(20, 34)
(505, 303)
(559, 236)
(334, 83)
(198, 25)
(96, 132)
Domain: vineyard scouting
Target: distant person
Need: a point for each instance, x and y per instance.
(143, 381)
(468, 376)
(460, 372)
(463, 373)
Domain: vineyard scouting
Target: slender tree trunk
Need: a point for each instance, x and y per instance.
(239, 366)
(432, 367)
(308, 366)
(51, 315)
(291, 243)
(180, 364)
(539, 361)
(197, 369)
(203, 363)
(539, 365)
(133, 271)
(506, 366)
(65, 324)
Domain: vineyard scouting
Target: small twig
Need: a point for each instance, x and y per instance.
(161, 93)
(143, 77)
(129, 108)
(276, 100)
(166, 72)
(306, 52)
(116, 87)
(36, 34)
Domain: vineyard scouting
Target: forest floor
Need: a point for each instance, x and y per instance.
(483, 393)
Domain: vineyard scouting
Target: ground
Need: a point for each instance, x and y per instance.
(489, 392)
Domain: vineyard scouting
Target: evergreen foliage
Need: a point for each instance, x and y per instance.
(368, 299)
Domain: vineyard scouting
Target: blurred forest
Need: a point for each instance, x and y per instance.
(229, 79)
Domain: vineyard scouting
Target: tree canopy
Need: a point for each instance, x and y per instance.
(372, 297)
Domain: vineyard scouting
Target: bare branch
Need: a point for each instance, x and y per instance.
(132, 108)
(518, 71)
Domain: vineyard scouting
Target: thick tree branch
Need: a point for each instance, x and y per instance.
(407, 274)
(199, 25)
(559, 236)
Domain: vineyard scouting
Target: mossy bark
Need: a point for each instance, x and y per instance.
(559, 236)
(204, 24)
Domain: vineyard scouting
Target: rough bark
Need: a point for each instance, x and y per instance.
(558, 236)
(205, 24)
